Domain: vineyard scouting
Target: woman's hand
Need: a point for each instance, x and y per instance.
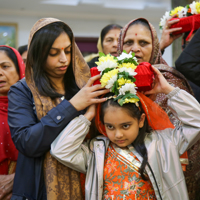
(6, 186)
(90, 113)
(167, 37)
(88, 95)
(160, 85)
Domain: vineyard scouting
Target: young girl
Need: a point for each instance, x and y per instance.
(129, 162)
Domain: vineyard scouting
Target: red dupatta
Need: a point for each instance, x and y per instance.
(7, 148)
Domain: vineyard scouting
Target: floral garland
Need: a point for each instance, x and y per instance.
(117, 74)
(188, 10)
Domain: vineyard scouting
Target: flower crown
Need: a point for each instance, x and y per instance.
(188, 10)
(117, 74)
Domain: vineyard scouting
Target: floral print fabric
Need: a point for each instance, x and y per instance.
(122, 180)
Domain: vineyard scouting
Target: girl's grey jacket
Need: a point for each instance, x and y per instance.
(164, 149)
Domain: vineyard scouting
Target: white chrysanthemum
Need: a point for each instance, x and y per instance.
(193, 8)
(135, 59)
(124, 55)
(128, 87)
(182, 13)
(106, 64)
(111, 82)
(129, 70)
(165, 17)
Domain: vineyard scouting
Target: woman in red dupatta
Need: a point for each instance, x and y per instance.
(176, 79)
(12, 69)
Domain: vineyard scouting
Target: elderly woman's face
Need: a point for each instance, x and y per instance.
(110, 42)
(138, 40)
(8, 74)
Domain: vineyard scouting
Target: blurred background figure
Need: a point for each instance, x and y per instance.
(11, 70)
(23, 50)
(107, 42)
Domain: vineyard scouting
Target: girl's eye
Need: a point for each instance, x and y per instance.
(126, 126)
(109, 127)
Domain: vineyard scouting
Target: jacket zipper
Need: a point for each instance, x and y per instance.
(154, 180)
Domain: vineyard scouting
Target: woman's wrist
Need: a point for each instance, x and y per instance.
(168, 89)
(89, 116)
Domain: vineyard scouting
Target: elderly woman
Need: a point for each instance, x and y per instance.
(12, 69)
(107, 42)
(140, 37)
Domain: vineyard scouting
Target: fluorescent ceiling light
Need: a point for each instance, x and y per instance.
(125, 4)
(62, 2)
(91, 1)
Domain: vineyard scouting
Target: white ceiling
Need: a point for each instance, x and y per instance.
(86, 9)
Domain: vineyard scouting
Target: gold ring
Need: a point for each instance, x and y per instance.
(166, 27)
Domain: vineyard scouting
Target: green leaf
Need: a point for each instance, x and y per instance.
(101, 54)
(133, 54)
(125, 51)
(114, 88)
(106, 70)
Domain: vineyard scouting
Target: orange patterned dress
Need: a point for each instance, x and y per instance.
(122, 180)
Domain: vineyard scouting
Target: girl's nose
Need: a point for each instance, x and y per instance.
(118, 134)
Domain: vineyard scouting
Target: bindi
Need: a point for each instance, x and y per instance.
(136, 34)
(62, 48)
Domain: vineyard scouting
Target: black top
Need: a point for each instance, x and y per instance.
(188, 62)
(33, 139)
(92, 62)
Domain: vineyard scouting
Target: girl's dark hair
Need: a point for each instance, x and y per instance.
(106, 29)
(142, 22)
(38, 52)
(136, 113)
(10, 53)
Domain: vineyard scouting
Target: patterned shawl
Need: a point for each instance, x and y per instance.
(176, 79)
(62, 183)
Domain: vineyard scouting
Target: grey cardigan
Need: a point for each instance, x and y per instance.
(164, 148)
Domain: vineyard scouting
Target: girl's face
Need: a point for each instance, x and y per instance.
(121, 128)
(138, 40)
(110, 42)
(59, 57)
(8, 74)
